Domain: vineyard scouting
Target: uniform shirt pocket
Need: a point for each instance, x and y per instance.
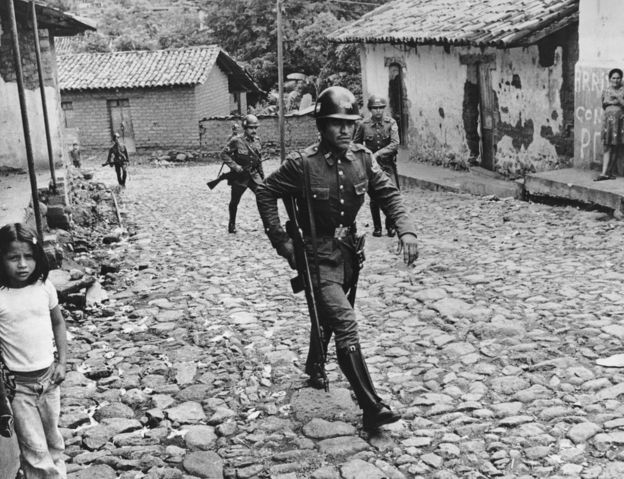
(320, 193)
(360, 188)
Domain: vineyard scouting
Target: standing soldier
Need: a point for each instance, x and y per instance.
(380, 134)
(328, 182)
(243, 154)
(118, 157)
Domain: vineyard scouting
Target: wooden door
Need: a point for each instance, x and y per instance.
(121, 122)
(487, 109)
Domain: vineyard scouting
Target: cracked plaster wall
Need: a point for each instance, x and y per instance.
(530, 112)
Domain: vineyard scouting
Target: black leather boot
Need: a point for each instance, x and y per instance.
(314, 363)
(232, 222)
(376, 219)
(375, 412)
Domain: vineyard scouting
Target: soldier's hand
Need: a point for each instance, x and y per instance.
(287, 250)
(409, 247)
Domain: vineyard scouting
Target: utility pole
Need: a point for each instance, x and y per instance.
(280, 79)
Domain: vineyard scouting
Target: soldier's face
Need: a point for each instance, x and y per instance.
(377, 112)
(338, 133)
(251, 131)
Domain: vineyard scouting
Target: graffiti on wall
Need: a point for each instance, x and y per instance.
(588, 85)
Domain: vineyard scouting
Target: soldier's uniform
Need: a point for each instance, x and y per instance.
(338, 185)
(242, 154)
(382, 138)
(118, 157)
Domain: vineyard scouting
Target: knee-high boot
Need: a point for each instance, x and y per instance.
(375, 412)
(232, 222)
(376, 215)
(314, 362)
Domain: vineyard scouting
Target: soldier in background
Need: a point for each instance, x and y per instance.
(74, 153)
(339, 174)
(380, 134)
(243, 155)
(118, 157)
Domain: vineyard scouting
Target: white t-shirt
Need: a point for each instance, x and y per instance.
(26, 337)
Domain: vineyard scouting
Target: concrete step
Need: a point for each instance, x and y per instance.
(577, 185)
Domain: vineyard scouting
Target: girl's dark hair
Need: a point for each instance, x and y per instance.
(615, 70)
(22, 233)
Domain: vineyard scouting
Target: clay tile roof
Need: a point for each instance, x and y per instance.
(499, 23)
(136, 69)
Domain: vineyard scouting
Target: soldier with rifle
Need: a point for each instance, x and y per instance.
(323, 188)
(243, 155)
(380, 134)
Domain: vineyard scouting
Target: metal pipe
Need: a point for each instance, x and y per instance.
(44, 104)
(17, 60)
(280, 79)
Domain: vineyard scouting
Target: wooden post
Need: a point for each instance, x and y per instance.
(17, 60)
(280, 79)
(44, 104)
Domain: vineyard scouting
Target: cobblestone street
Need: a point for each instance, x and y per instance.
(488, 348)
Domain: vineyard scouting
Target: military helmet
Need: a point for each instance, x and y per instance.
(250, 120)
(375, 101)
(336, 102)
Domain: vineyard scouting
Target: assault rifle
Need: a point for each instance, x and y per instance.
(303, 281)
(6, 413)
(230, 175)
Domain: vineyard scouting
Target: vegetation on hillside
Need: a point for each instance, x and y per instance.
(246, 29)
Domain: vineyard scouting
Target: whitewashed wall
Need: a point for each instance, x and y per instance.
(435, 87)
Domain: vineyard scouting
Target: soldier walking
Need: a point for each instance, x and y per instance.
(243, 154)
(328, 182)
(380, 134)
(118, 157)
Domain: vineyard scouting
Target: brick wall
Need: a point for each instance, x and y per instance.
(300, 131)
(162, 118)
(213, 97)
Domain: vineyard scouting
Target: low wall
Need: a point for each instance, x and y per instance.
(300, 131)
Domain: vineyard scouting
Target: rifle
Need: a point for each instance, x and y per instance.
(303, 280)
(6, 413)
(230, 175)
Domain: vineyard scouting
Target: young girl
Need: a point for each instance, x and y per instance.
(31, 324)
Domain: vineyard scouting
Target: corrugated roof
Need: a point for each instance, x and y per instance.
(136, 69)
(499, 23)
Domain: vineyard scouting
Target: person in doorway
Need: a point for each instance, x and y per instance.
(74, 153)
(332, 177)
(398, 99)
(243, 155)
(118, 157)
(612, 125)
(31, 325)
(380, 134)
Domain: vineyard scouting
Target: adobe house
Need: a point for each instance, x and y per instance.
(489, 81)
(154, 99)
(52, 23)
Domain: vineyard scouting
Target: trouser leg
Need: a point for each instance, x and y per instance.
(118, 173)
(376, 215)
(124, 174)
(36, 407)
(237, 193)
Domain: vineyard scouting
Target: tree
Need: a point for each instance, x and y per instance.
(247, 30)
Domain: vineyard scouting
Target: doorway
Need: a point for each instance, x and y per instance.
(480, 110)
(397, 99)
(121, 122)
